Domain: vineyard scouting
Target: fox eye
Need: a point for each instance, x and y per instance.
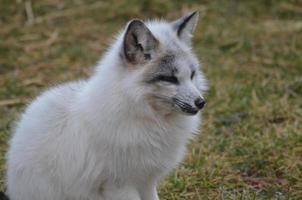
(192, 75)
(170, 79)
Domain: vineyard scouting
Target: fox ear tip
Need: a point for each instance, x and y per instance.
(135, 21)
(195, 12)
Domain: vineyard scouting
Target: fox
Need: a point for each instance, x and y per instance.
(116, 134)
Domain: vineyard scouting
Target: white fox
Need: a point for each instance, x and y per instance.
(115, 135)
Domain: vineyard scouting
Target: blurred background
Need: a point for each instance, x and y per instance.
(251, 141)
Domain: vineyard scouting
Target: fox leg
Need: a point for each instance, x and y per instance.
(125, 192)
(149, 192)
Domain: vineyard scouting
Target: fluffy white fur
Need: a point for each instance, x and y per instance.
(99, 139)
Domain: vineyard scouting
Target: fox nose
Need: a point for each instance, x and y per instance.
(200, 103)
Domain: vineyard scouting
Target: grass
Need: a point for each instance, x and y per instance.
(251, 141)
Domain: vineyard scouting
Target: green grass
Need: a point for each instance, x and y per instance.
(251, 141)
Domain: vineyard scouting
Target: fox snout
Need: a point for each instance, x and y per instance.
(199, 103)
(188, 108)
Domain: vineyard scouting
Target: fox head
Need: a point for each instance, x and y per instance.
(159, 67)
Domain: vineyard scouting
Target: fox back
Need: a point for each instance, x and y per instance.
(115, 135)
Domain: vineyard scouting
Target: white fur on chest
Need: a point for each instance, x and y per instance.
(138, 149)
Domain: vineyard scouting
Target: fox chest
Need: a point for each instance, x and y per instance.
(145, 157)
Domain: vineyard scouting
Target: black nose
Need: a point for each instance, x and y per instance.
(200, 103)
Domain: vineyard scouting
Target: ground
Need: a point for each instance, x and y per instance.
(251, 141)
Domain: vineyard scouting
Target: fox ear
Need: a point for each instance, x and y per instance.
(139, 43)
(185, 26)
